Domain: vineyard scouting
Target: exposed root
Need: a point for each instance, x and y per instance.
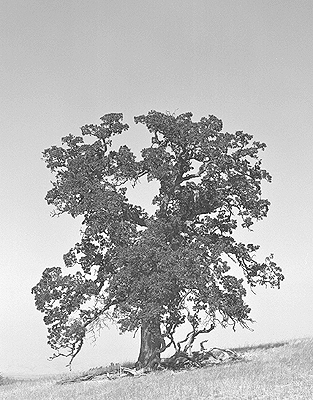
(179, 361)
(198, 359)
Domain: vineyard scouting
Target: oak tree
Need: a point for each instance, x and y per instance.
(154, 272)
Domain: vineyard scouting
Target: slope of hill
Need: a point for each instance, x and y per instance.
(278, 371)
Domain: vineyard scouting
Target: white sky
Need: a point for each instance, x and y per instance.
(66, 63)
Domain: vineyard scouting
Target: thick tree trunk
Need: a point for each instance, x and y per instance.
(150, 346)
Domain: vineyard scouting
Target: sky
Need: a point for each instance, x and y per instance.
(64, 64)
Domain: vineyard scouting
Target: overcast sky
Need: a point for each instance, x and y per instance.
(64, 64)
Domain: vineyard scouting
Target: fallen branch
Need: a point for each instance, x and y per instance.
(134, 372)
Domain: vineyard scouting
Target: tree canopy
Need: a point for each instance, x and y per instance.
(155, 271)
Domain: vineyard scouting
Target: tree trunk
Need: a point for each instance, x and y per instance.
(150, 346)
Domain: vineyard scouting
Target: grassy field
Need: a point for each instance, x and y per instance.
(282, 371)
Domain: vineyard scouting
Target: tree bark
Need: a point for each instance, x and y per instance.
(150, 345)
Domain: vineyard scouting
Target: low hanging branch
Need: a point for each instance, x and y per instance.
(190, 338)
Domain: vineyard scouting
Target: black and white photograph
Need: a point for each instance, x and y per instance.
(156, 224)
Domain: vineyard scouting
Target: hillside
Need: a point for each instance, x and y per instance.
(276, 371)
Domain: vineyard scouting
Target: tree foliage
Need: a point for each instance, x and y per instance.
(155, 271)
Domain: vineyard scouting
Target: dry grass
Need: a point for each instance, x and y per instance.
(281, 372)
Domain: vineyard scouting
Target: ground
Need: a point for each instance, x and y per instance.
(277, 371)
